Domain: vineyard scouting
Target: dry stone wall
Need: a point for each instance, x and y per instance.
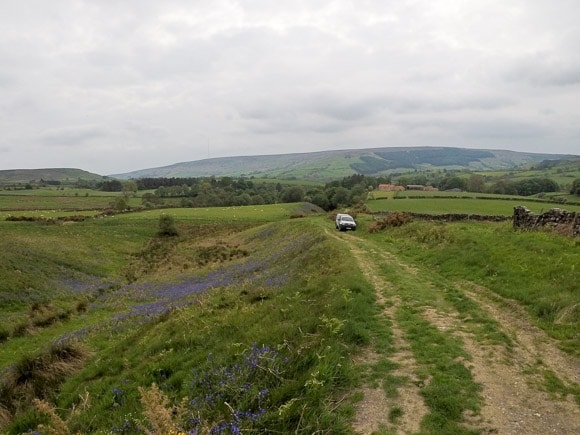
(565, 222)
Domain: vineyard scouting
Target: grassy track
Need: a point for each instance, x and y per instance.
(471, 350)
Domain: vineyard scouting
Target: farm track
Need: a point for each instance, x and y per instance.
(511, 374)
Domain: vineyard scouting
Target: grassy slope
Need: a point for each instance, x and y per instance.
(562, 172)
(23, 176)
(330, 165)
(286, 260)
(305, 298)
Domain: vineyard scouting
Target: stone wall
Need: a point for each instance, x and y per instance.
(565, 222)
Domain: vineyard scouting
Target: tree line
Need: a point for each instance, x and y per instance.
(351, 190)
(229, 191)
(478, 183)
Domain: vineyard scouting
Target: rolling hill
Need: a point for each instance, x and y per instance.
(329, 165)
(316, 166)
(60, 175)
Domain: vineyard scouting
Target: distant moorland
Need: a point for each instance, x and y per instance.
(332, 165)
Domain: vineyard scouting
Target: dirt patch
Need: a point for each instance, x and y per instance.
(514, 400)
(535, 344)
(513, 404)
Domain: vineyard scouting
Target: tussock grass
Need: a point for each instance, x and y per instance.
(37, 376)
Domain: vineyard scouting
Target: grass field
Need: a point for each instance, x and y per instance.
(269, 323)
(454, 204)
(48, 200)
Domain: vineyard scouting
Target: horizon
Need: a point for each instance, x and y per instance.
(273, 155)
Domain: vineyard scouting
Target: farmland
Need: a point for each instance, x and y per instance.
(269, 320)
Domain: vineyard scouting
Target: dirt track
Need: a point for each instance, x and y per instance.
(515, 400)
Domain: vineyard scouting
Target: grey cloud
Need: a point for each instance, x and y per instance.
(544, 70)
(501, 129)
(325, 112)
(486, 129)
(149, 131)
(6, 80)
(169, 77)
(72, 136)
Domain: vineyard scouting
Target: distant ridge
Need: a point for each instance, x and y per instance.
(329, 165)
(47, 174)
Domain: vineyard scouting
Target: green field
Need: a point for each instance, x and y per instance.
(41, 200)
(268, 320)
(491, 205)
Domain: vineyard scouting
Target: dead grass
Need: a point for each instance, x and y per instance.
(161, 415)
(37, 377)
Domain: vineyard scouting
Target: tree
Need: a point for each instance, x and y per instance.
(321, 200)
(129, 188)
(150, 200)
(120, 204)
(502, 187)
(293, 194)
(476, 183)
(575, 189)
(532, 186)
(453, 182)
(340, 197)
(112, 186)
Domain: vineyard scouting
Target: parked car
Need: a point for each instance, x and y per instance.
(345, 222)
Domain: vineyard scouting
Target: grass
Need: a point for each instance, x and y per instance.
(280, 275)
(537, 269)
(35, 201)
(248, 307)
(450, 389)
(431, 205)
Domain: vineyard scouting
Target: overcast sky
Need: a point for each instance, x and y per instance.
(112, 86)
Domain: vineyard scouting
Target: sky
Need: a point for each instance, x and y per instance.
(112, 86)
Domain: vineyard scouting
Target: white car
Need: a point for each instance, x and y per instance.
(345, 222)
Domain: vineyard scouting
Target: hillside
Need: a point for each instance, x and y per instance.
(328, 165)
(250, 321)
(61, 175)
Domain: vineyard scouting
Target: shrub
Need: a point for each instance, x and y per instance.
(4, 334)
(167, 226)
(395, 219)
(575, 189)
